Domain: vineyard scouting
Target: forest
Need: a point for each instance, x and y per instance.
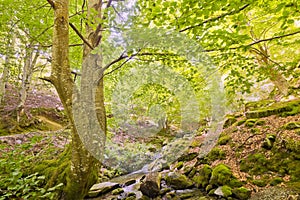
(165, 99)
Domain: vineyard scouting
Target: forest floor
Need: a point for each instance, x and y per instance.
(261, 151)
(42, 111)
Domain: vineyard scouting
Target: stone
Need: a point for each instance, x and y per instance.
(178, 181)
(150, 186)
(102, 188)
(241, 193)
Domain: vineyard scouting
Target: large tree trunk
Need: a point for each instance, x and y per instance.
(94, 39)
(82, 172)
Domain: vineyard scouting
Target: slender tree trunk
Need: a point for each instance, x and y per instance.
(83, 169)
(29, 63)
(5, 73)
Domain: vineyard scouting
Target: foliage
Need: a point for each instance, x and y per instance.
(18, 180)
(237, 35)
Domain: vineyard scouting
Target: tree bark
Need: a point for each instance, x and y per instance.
(82, 172)
(29, 63)
(5, 73)
(94, 38)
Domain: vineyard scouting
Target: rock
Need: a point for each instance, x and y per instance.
(222, 175)
(291, 126)
(203, 177)
(224, 139)
(102, 188)
(189, 194)
(269, 141)
(241, 193)
(250, 122)
(229, 121)
(117, 191)
(275, 193)
(150, 186)
(178, 181)
(187, 157)
(223, 191)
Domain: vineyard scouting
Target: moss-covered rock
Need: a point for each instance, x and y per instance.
(241, 193)
(241, 122)
(178, 181)
(260, 122)
(187, 157)
(117, 191)
(254, 105)
(260, 182)
(202, 178)
(229, 121)
(222, 175)
(227, 191)
(281, 108)
(276, 181)
(224, 139)
(255, 130)
(269, 141)
(291, 125)
(250, 122)
(254, 164)
(216, 154)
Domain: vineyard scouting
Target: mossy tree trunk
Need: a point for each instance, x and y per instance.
(82, 170)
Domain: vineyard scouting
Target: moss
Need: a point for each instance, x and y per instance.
(250, 122)
(254, 105)
(294, 185)
(292, 145)
(235, 183)
(208, 188)
(187, 157)
(229, 121)
(294, 170)
(241, 193)
(297, 131)
(276, 181)
(179, 165)
(227, 191)
(178, 181)
(255, 130)
(260, 122)
(224, 140)
(117, 191)
(239, 123)
(216, 154)
(255, 164)
(222, 175)
(291, 126)
(260, 182)
(203, 177)
(281, 108)
(211, 192)
(269, 141)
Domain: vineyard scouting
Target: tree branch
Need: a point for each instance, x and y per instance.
(216, 18)
(81, 36)
(48, 79)
(273, 38)
(51, 3)
(123, 56)
(255, 42)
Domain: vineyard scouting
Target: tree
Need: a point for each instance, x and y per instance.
(83, 169)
